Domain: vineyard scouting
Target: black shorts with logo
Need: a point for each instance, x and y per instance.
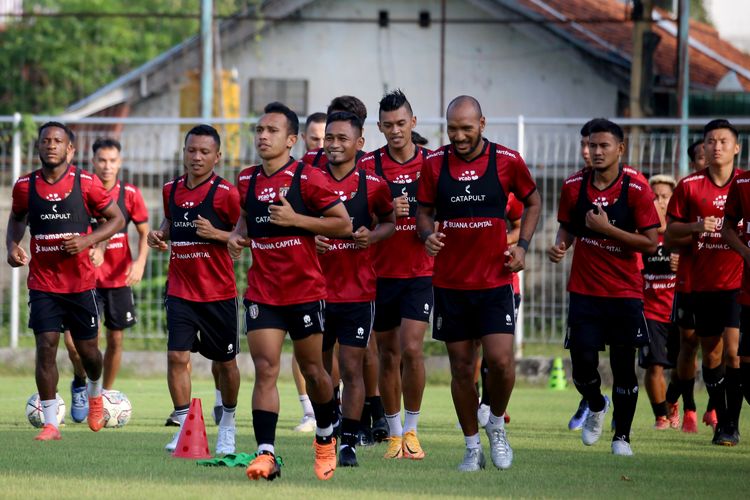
(118, 307)
(300, 320)
(594, 322)
(472, 314)
(210, 328)
(402, 298)
(663, 347)
(715, 311)
(349, 323)
(57, 312)
(683, 310)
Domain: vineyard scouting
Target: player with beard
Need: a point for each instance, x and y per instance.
(57, 202)
(462, 195)
(285, 203)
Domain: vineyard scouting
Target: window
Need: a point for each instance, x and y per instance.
(293, 93)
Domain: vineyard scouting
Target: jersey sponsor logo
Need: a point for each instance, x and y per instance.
(223, 186)
(450, 224)
(438, 152)
(743, 181)
(188, 243)
(603, 201)
(506, 153)
(342, 196)
(179, 223)
(603, 244)
(693, 178)
(404, 179)
(47, 248)
(343, 245)
(268, 194)
(720, 201)
(577, 178)
(406, 227)
(114, 245)
(292, 242)
(53, 197)
(188, 204)
(55, 216)
(53, 236)
(467, 198)
(191, 255)
(468, 175)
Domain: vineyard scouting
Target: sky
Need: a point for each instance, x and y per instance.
(732, 19)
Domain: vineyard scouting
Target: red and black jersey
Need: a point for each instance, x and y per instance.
(349, 270)
(117, 259)
(604, 267)
(54, 211)
(403, 254)
(715, 266)
(469, 198)
(736, 211)
(513, 212)
(658, 285)
(285, 267)
(200, 270)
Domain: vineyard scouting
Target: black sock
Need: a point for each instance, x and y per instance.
(264, 426)
(688, 394)
(714, 379)
(745, 380)
(324, 413)
(365, 418)
(624, 400)
(673, 392)
(733, 386)
(376, 407)
(660, 409)
(349, 429)
(483, 375)
(586, 377)
(78, 382)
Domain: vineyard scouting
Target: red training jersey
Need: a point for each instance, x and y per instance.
(201, 270)
(117, 258)
(52, 269)
(715, 266)
(403, 254)
(658, 285)
(470, 199)
(738, 210)
(349, 270)
(603, 267)
(513, 212)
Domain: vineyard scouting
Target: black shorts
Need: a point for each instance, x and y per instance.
(349, 323)
(472, 314)
(402, 298)
(663, 347)
(210, 328)
(683, 310)
(594, 322)
(715, 311)
(118, 307)
(300, 320)
(744, 349)
(57, 312)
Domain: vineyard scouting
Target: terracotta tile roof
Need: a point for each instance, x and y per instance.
(616, 38)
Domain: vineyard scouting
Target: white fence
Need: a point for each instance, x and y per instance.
(152, 155)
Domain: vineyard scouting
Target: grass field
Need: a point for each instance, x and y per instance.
(550, 461)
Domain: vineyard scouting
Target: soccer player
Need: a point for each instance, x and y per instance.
(285, 203)
(348, 103)
(462, 194)
(201, 299)
(612, 217)
(116, 272)
(658, 293)
(315, 130)
(404, 286)
(348, 268)
(697, 210)
(56, 202)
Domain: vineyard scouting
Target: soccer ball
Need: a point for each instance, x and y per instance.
(117, 409)
(34, 410)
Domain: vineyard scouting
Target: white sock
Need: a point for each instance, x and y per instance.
(217, 398)
(473, 441)
(49, 410)
(266, 447)
(324, 432)
(410, 420)
(307, 409)
(496, 421)
(181, 415)
(227, 416)
(94, 388)
(394, 425)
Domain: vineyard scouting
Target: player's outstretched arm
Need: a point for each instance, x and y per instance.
(17, 256)
(114, 222)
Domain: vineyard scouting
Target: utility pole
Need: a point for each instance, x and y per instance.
(641, 27)
(207, 53)
(683, 82)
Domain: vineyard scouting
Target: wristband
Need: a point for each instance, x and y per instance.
(523, 244)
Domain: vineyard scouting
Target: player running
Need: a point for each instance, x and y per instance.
(57, 202)
(462, 194)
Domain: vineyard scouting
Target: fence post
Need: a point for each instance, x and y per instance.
(15, 273)
(520, 320)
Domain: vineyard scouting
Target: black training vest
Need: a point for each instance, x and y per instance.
(657, 263)
(257, 209)
(618, 213)
(397, 190)
(125, 213)
(55, 217)
(183, 219)
(483, 197)
(357, 205)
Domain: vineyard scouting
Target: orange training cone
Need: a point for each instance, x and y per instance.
(193, 442)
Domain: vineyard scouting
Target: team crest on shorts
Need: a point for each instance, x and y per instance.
(439, 322)
(253, 311)
(307, 320)
(360, 333)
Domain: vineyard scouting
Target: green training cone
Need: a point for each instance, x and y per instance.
(557, 380)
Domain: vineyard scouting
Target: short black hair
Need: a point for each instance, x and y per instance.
(350, 104)
(292, 120)
(603, 125)
(418, 139)
(586, 129)
(105, 143)
(343, 116)
(315, 118)
(394, 100)
(719, 124)
(68, 132)
(205, 130)
(691, 149)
